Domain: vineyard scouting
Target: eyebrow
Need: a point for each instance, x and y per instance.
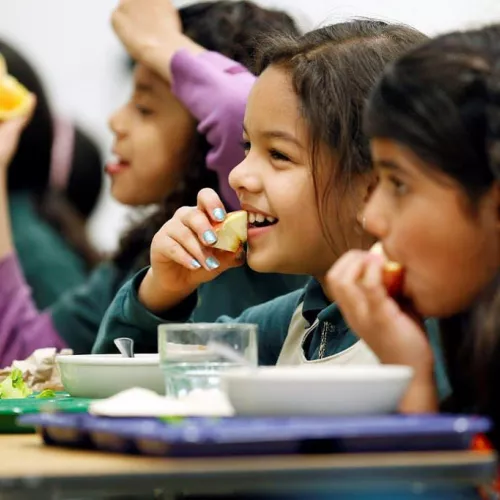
(387, 164)
(143, 87)
(278, 134)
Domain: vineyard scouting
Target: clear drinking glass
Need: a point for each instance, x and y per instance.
(186, 361)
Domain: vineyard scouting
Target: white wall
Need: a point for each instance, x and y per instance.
(73, 46)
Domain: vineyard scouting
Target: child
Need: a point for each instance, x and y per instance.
(50, 195)
(163, 154)
(305, 177)
(434, 123)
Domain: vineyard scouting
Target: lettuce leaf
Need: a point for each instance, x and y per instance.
(46, 394)
(14, 386)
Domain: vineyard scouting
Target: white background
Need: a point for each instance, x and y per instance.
(72, 45)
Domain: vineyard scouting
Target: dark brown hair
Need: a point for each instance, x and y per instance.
(234, 30)
(442, 100)
(332, 70)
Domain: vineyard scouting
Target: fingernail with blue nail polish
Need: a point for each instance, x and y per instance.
(212, 263)
(195, 264)
(219, 214)
(209, 237)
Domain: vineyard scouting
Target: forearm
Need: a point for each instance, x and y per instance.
(422, 395)
(158, 55)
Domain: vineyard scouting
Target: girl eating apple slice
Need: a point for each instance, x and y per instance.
(434, 123)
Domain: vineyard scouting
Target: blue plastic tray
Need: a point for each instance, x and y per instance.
(246, 436)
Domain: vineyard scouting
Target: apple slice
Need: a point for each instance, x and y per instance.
(393, 272)
(232, 231)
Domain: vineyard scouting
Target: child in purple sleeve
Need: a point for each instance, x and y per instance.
(180, 131)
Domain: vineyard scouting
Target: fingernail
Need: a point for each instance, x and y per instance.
(219, 214)
(195, 264)
(212, 263)
(209, 237)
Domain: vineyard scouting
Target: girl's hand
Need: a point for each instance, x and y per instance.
(182, 254)
(151, 32)
(395, 335)
(10, 133)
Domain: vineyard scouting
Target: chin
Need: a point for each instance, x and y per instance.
(430, 308)
(261, 263)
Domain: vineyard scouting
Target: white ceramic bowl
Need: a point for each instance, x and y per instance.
(336, 390)
(103, 375)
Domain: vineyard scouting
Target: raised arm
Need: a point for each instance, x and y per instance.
(214, 88)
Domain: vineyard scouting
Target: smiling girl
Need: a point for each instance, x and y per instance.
(306, 175)
(434, 123)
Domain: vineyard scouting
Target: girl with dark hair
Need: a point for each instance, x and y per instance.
(434, 124)
(305, 177)
(179, 132)
(50, 195)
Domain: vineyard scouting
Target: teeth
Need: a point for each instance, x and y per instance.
(253, 217)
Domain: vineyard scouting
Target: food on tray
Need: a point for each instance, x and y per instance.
(37, 373)
(14, 386)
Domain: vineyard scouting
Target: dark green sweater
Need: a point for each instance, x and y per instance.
(49, 264)
(127, 317)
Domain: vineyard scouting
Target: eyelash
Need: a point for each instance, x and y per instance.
(143, 111)
(274, 153)
(399, 187)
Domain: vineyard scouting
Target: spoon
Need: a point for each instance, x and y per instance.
(230, 354)
(125, 346)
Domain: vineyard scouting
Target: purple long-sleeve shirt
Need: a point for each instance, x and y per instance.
(215, 90)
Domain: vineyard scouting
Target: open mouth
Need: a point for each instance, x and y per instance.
(259, 220)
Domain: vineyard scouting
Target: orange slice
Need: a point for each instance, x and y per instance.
(15, 99)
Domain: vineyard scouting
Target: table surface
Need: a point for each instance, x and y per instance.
(27, 464)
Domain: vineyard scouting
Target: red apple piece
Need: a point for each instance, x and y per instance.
(392, 273)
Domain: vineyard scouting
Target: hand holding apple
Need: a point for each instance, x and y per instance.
(357, 284)
(193, 247)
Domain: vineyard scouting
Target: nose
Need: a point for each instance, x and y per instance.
(376, 215)
(246, 176)
(117, 122)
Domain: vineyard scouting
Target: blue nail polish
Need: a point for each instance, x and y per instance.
(212, 263)
(195, 264)
(209, 237)
(219, 214)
